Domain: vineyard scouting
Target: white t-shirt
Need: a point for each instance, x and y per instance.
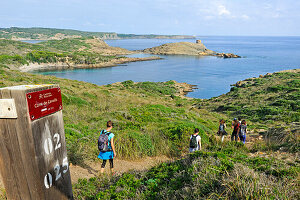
(198, 138)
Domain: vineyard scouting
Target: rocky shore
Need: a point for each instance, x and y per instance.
(65, 66)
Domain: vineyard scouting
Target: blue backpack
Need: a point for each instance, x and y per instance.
(103, 141)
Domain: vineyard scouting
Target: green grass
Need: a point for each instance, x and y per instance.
(221, 172)
(150, 121)
(149, 126)
(85, 58)
(67, 44)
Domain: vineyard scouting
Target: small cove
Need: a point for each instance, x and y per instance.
(212, 75)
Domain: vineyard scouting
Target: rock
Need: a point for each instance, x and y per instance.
(239, 84)
(227, 55)
(198, 42)
(261, 76)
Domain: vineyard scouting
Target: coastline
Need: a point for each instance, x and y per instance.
(35, 67)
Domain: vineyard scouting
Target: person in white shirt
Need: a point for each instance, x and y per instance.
(195, 141)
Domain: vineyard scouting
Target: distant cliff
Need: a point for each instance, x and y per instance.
(36, 33)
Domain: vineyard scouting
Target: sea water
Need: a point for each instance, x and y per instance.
(212, 75)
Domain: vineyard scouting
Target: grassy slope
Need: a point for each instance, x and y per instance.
(76, 51)
(219, 172)
(148, 123)
(267, 101)
(12, 47)
(151, 120)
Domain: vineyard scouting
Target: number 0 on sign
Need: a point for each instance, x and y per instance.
(48, 146)
(48, 180)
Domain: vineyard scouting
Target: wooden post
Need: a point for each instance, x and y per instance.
(33, 155)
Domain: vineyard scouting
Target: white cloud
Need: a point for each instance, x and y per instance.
(222, 10)
(245, 17)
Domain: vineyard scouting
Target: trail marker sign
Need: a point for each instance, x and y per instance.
(33, 155)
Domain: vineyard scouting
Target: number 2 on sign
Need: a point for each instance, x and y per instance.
(48, 144)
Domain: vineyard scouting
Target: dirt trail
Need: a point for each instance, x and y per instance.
(92, 169)
(120, 166)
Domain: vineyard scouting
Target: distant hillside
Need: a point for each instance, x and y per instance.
(37, 33)
(68, 53)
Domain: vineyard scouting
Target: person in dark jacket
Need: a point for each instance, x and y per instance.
(236, 129)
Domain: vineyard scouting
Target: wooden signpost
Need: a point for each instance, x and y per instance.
(33, 155)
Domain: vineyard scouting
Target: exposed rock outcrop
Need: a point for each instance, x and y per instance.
(69, 65)
(227, 55)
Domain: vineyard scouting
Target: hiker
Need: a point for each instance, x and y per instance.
(195, 141)
(107, 152)
(243, 131)
(221, 130)
(239, 133)
(236, 129)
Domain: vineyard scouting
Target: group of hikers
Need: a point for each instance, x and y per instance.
(239, 127)
(239, 132)
(107, 148)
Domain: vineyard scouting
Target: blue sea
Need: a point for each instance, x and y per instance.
(213, 76)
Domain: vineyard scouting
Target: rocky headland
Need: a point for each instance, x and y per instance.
(186, 48)
(42, 67)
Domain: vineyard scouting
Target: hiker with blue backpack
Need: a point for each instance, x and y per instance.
(106, 147)
(195, 141)
(243, 131)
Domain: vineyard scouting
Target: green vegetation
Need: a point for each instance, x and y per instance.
(46, 33)
(84, 51)
(221, 172)
(10, 47)
(37, 33)
(151, 120)
(271, 99)
(167, 88)
(52, 57)
(148, 120)
(66, 44)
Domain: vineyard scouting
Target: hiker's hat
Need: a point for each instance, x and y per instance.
(234, 119)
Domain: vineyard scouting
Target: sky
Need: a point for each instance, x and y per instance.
(184, 17)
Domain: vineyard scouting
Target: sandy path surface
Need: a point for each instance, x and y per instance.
(121, 166)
